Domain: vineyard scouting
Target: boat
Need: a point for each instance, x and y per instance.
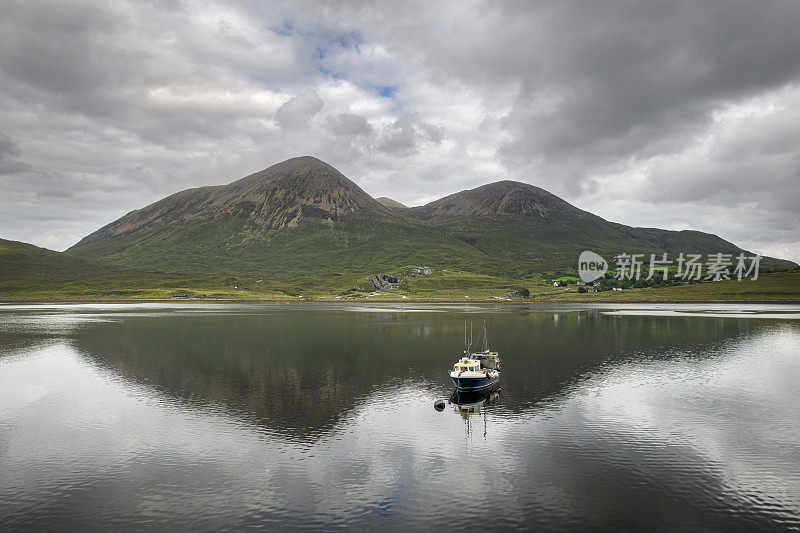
(477, 371)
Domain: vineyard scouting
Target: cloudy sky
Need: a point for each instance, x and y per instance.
(669, 114)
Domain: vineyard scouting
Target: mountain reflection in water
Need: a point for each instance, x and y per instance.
(301, 372)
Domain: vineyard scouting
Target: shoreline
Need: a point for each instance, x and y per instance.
(400, 301)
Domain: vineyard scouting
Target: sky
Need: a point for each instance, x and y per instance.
(678, 115)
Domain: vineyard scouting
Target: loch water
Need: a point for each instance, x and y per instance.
(265, 416)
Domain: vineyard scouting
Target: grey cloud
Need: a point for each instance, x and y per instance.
(751, 165)
(433, 133)
(8, 148)
(110, 63)
(297, 112)
(404, 136)
(756, 181)
(65, 57)
(602, 85)
(400, 138)
(614, 84)
(349, 125)
(10, 167)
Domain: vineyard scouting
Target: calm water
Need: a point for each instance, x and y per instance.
(209, 417)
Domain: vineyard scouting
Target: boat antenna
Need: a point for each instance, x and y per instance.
(485, 338)
(470, 336)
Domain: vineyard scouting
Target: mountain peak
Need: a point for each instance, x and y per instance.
(301, 187)
(297, 169)
(512, 198)
(303, 163)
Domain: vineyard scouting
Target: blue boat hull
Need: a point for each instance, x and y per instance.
(474, 384)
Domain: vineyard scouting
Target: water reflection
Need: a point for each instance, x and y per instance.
(276, 418)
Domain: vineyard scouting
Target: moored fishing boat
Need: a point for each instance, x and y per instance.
(477, 370)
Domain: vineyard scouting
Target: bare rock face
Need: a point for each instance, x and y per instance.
(419, 272)
(384, 282)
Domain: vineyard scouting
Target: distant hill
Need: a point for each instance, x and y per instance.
(25, 267)
(303, 218)
(522, 222)
(388, 202)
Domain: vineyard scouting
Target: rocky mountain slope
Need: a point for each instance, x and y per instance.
(278, 197)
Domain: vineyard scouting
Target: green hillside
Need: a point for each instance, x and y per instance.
(29, 272)
(231, 245)
(28, 269)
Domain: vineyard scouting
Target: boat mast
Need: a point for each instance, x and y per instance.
(468, 345)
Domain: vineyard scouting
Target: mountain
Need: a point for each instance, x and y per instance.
(388, 202)
(303, 219)
(527, 223)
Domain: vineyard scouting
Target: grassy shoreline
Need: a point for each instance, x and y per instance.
(405, 301)
(439, 286)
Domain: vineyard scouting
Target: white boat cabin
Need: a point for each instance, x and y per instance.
(478, 362)
(467, 365)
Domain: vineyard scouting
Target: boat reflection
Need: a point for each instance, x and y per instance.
(468, 403)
